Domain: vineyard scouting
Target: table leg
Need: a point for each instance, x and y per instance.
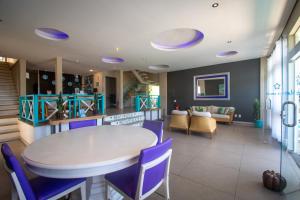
(53, 129)
(96, 189)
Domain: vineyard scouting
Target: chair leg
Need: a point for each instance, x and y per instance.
(83, 191)
(106, 191)
(14, 194)
(167, 189)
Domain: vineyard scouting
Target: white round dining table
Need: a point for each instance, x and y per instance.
(88, 152)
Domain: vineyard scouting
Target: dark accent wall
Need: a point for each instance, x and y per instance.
(244, 87)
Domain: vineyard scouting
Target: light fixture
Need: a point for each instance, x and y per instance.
(51, 34)
(159, 67)
(91, 70)
(175, 39)
(117, 49)
(226, 54)
(215, 5)
(112, 60)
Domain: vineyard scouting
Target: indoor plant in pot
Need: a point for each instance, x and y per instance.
(258, 121)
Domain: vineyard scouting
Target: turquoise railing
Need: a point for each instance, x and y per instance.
(41, 108)
(146, 102)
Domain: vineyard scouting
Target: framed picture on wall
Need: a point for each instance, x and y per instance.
(212, 86)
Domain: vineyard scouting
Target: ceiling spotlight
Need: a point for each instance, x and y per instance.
(215, 5)
(91, 70)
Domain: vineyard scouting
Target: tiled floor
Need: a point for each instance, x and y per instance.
(229, 166)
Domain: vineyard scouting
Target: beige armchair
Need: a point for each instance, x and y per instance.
(203, 125)
(180, 122)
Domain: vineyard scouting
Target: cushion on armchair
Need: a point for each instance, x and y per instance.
(201, 114)
(179, 112)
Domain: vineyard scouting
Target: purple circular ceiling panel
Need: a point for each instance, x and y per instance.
(226, 53)
(176, 39)
(159, 67)
(51, 34)
(112, 60)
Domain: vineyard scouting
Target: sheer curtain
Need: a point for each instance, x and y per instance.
(275, 89)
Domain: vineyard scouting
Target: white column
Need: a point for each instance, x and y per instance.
(263, 87)
(58, 75)
(163, 77)
(121, 85)
(22, 77)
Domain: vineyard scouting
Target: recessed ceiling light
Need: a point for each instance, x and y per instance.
(226, 54)
(51, 34)
(176, 39)
(91, 70)
(112, 60)
(215, 5)
(159, 67)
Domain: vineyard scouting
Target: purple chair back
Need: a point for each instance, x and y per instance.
(156, 127)
(154, 174)
(81, 124)
(13, 164)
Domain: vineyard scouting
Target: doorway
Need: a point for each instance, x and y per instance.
(111, 92)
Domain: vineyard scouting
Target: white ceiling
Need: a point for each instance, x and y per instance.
(97, 27)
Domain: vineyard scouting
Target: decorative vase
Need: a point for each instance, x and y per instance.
(273, 181)
(259, 123)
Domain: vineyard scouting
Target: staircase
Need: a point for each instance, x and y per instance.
(144, 77)
(8, 105)
(131, 92)
(9, 129)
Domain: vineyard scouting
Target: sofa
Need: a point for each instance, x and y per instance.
(220, 114)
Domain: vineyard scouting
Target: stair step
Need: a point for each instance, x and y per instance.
(4, 69)
(8, 94)
(7, 83)
(7, 87)
(8, 98)
(8, 91)
(9, 107)
(8, 121)
(9, 112)
(9, 136)
(9, 129)
(5, 103)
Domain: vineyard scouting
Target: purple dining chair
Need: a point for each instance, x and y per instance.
(156, 127)
(81, 124)
(144, 178)
(39, 188)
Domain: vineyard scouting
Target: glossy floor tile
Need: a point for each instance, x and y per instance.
(228, 166)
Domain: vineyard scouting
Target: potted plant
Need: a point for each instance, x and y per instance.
(60, 107)
(258, 121)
